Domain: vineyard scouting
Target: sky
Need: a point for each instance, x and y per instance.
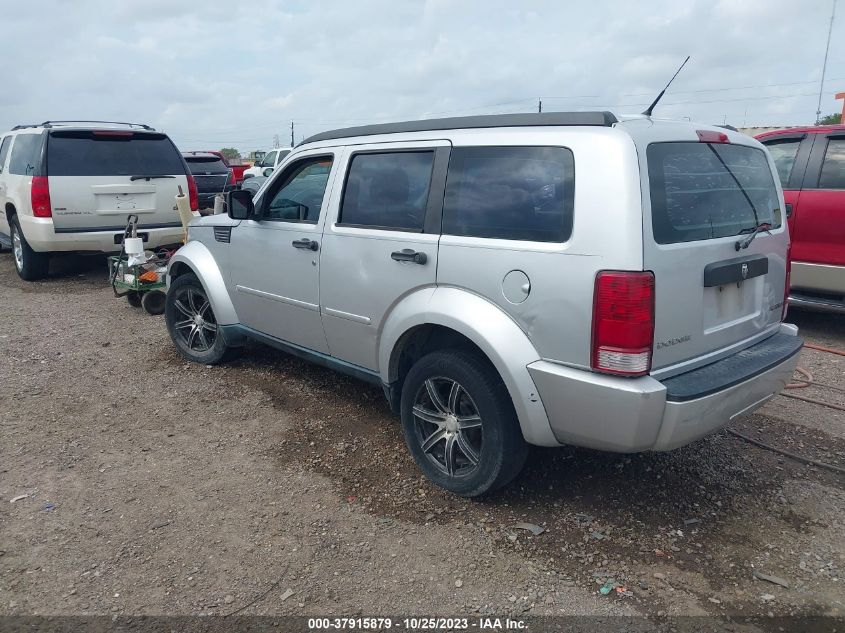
(218, 74)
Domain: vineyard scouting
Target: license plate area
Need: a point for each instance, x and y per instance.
(732, 304)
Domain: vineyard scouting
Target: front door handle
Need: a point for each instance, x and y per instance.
(306, 244)
(409, 255)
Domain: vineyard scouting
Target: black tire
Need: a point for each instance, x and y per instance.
(485, 426)
(185, 297)
(153, 301)
(133, 298)
(31, 266)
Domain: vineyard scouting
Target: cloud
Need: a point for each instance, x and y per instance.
(220, 73)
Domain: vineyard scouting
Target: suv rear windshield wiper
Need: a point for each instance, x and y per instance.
(763, 226)
(134, 178)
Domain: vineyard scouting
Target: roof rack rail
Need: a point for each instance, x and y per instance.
(54, 123)
(24, 126)
(534, 119)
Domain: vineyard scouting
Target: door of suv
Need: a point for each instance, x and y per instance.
(820, 216)
(276, 256)
(382, 242)
(790, 152)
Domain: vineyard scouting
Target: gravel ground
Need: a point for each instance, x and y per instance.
(157, 487)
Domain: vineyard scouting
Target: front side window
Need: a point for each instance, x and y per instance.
(25, 154)
(783, 153)
(833, 168)
(299, 195)
(511, 193)
(387, 190)
(4, 151)
(702, 191)
(112, 153)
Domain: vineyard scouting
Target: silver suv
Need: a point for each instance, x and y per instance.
(547, 279)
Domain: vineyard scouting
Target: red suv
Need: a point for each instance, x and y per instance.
(811, 165)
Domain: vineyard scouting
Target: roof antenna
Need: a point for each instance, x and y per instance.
(647, 111)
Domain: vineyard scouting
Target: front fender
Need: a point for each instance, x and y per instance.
(196, 256)
(493, 331)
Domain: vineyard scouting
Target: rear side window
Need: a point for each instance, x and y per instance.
(702, 191)
(26, 151)
(512, 193)
(833, 168)
(4, 151)
(783, 153)
(387, 190)
(206, 166)
(112, 154)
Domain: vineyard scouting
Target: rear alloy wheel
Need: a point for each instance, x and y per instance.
(191, 322)
(31, 266)
(460, 424)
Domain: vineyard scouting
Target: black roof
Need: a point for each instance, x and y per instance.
(535, 119)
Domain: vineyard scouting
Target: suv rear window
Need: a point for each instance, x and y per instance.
(511, 193)
(89, 153)
(702, 191)
(206, 165)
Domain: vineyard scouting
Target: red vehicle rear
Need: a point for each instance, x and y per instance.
(811, 165)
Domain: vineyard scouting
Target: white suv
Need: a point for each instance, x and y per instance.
(272, 159)
(69, 186)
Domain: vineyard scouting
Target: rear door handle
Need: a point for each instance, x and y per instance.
(409, 255)
(306, 244)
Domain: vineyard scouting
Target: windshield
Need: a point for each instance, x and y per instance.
(206, 166)
(703, 191)
(93, 153)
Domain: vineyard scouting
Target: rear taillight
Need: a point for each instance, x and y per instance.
(785, 306)
(40, 197)
(623, 322)
(193, 198)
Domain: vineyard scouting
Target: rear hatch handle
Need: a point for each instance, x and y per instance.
(134, 178)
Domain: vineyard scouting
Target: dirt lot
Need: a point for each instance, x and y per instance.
(158, 487)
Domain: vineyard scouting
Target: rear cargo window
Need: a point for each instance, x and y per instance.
(703, 191)
(202, 166)
(26, 153)
(511, 193)
(130, 154)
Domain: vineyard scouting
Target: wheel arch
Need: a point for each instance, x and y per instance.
(195, 258)
(453, 318)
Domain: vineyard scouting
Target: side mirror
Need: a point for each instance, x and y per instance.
(267, 172)
(240, 205)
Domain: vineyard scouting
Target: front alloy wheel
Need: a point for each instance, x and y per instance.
(191, 322)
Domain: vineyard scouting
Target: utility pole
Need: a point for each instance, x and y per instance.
(291, 134)
(539, 105)
(824, 65)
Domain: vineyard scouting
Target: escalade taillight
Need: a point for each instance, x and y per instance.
(40, 197)
(193, 197)
(623, 322)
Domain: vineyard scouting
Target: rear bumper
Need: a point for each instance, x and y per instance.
(42, 237)
(631, 415)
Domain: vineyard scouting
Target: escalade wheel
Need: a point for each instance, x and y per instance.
(191, 322)
(460, 425)
(31, 266)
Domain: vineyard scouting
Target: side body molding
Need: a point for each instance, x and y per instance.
(495, 333)
(196, 256)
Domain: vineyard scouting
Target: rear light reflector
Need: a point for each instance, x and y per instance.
(40, 197)
(193, 197)
(709, 136)
(623, 322)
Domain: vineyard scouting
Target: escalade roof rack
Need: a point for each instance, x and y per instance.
(601, 119)
(55, 123)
